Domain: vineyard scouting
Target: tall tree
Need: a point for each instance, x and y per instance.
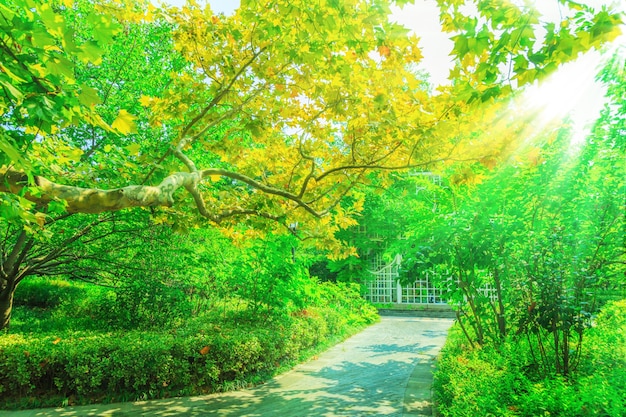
(268, 117)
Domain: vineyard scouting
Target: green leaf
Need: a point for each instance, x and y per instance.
(17, 94)
(461, 47)
(53, 21)
(61, 66)
(88, 96)
(521, 63)
(104, 29)
(13, 153)
(42, 39)
(11, 75)
(57, 207)
(90, 52)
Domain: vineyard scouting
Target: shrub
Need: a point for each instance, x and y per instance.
(45, 292)
(475, 382)
(141, 304)
(205, 354)
(498, 382)
(603, 376)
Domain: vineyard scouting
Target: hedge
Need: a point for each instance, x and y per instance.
(201, 357)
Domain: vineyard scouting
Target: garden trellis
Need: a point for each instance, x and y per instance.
(385, 287)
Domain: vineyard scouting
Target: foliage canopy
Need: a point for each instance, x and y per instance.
(269, 119)
(275, 113)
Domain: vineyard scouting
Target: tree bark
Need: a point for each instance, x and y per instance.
(500, 316)
(95, 200)
(6, 306)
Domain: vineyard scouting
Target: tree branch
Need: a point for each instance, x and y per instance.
(94, 200)
(262, 187)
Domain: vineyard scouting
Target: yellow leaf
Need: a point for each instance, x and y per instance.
(125, 123)
(145, 101)
(40, 218)
(107, 148)
(149, 16)
(75, 154)
(133, 148)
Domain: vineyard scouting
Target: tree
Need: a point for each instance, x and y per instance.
(268, 117)
(545, 232)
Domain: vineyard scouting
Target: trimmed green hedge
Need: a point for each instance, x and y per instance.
(205, 355)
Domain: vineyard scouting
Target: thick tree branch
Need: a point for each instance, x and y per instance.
(94, 200)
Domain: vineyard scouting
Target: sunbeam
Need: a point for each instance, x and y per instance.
(572, 93)
(572, 96)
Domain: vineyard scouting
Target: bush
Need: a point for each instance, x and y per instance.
(135, 364)
(603, 375)
(206, 354)
(475, 382)
(499, 382)
(145, 304)
(45, 293)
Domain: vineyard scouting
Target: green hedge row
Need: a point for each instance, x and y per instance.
(205, 355)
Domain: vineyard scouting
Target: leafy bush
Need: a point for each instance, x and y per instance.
(45, 292)
(345, 299)
(467, 384)
(145, 304)
(500, 382)
(208, 353)
(135, 363)
(608, 337)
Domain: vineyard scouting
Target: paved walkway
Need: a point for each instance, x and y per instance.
(386, 370)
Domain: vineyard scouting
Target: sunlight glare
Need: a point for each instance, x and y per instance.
(571, 92)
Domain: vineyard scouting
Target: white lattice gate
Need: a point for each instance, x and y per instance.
(383, 288)
(386, 288)
(422, 291)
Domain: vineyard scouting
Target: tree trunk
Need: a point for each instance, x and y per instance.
(500, 317)
(566, 355)
(6, 306)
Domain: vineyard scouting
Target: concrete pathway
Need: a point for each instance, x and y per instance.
(386, 370)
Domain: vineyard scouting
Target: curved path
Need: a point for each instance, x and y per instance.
(386, 370)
